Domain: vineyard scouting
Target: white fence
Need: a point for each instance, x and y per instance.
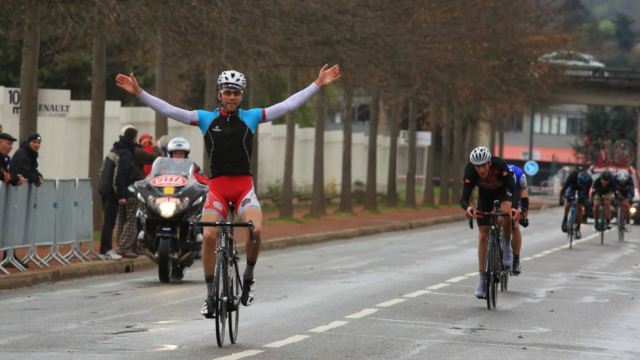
(65, 145)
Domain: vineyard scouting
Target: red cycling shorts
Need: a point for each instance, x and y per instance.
(236, 189)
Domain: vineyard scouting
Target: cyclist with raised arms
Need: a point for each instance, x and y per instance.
(581, 182)
(228, 136)
(521, 182)
(495, 182)
(602, 190)
(625, 190)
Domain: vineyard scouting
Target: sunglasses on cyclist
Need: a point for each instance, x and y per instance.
(228, 92)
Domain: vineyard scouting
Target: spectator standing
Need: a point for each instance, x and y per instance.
(25, 160)
(6, 145)
(7, 160)
(148, 146)
(114, 179)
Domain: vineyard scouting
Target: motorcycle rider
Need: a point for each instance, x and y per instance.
(179, 148)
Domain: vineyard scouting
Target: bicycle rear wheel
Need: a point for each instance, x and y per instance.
(235, 294)
(219, 293)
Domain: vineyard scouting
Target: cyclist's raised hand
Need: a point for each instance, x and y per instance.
(471, 212)
(327, 76)
(129, 83)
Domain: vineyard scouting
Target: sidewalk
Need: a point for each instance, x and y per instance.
(276, 234)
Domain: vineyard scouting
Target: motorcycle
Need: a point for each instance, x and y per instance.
(170, 199)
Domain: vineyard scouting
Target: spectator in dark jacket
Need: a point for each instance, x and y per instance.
(6, 144)
(114, 179)
(25, 160)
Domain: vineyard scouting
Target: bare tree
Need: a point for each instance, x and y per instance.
(29, 70)
(370, 198)
(317, 195)
(286, 207)
(445, 160)
(254, 102)
(162, 85)
(346, 202)
(410, 197)
(98, 97)
(457, 148)
(428, 196)
(392, 189)
(210, 99)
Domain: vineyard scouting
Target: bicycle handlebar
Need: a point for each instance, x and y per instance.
(491, 213)
(248, 225)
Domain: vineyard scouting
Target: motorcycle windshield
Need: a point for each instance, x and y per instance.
(171, 166)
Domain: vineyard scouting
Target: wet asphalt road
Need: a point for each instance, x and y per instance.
(405, 295)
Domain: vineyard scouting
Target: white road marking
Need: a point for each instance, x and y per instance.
(362, 314)
(288, 341)
(471, 274)
(330, 326)
(16, 300)
(538, 255)
(240, 355)
(167, 347)
(526, 259)
(391, 302)
(456, 279)
(547, 252)
(417, 293)
(101, 285)
(437, 286)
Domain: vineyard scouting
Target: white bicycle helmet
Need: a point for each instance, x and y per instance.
(480, 155)
(622, 176)
(179, 144)
(232, 78)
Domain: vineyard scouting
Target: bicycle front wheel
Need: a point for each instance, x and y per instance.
(621, 223)
(235, 292)
(219, 296)
(570, 229)
(603, 225)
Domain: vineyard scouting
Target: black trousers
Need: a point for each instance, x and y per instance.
(110, 209)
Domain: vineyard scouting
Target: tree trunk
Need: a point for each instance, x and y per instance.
(410, 198)
(286, 207)
(162, 86)
(392, 190)
(29, 71)
(501, 139)
(492, 134)
(210, 100)
(458, 147)
(429, 197)
(98, 97)
(346, 202)
(445, 160)
(317, 196)
(254, 103)
(370, 197)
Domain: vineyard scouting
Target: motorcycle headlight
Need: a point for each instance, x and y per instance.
(633, 210)
(167, 209)
(140, 198)
(197, 202)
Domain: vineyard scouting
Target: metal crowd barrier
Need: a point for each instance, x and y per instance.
(59, 212)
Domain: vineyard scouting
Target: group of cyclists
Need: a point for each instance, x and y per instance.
(497, 180)
(605, 188)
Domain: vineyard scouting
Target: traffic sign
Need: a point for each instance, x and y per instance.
(531, 167)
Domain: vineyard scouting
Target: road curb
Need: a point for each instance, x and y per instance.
(99, 268)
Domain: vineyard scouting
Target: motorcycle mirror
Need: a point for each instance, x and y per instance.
(131, 189)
